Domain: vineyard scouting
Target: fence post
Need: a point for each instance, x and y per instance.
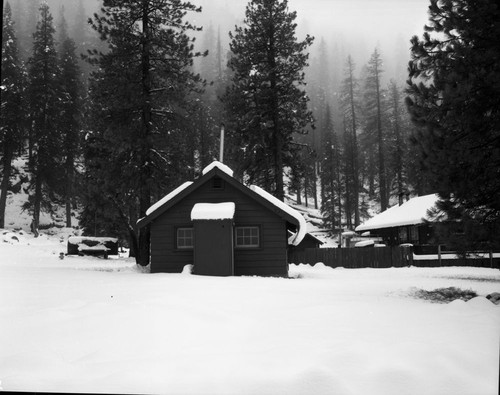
(491, 258)
(439, 254)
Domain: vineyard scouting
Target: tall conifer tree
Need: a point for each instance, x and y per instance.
(375, 122)
(349, 102)
(11, 114)
(137, 94)
(70, 118)
(454, 99)
(44, 98)
(399, 140)
(331, 206)
(265, 103)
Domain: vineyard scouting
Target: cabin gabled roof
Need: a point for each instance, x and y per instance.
(411, 212)
(217, 169)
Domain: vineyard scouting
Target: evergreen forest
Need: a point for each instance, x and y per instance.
(113, 107)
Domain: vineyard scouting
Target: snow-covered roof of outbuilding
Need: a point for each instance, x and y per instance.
(211, 211)
(412, 212)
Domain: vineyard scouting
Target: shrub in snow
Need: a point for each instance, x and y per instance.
(444, 295)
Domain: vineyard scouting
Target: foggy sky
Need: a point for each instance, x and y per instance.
(354, 27)
(357, 26)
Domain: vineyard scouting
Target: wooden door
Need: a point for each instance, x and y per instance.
(213, 247)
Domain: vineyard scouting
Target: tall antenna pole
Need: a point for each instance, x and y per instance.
(221, 152)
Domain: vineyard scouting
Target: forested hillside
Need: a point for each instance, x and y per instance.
(112, 104)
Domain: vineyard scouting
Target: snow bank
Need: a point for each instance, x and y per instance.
(99, 326)
(302, 228)
(216, 211)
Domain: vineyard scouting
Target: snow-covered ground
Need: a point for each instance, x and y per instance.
(86, 324)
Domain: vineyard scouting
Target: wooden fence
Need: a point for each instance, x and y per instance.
(383, 257)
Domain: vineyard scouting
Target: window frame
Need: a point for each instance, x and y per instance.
(177, 238)
(247, 246)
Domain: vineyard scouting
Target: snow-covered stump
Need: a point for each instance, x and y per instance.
(82, 245)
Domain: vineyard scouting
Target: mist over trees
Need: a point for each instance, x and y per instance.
(321, 121)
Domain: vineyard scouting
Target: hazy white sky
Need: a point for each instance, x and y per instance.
(374, 19)
(355, 26)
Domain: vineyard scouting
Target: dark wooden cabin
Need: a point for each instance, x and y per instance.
(403, 223)
(222, 227)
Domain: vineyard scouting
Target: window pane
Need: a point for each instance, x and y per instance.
(185, 238)
(247, 236)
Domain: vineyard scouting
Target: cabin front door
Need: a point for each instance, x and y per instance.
(213, 247)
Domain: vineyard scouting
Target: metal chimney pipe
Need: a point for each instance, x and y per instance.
(221, 152)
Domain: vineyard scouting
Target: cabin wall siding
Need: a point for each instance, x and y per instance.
(269, 259)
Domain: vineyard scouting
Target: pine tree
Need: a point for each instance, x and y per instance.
(374, 109)
(454, 98)
(331, 206)
(11, 114)
(137, 95)
(347, 169)
(265, 104)
(44, 97)
(399, 150)
(349, 102)
(70, 117)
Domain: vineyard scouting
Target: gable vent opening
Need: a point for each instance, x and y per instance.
(217, 183)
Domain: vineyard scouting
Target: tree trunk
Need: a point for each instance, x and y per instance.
(381, 158)
(339, 193)
(277, 138)
(332, 197)
(144, 188)
(355, 160)
(69, 189)
(4, 189)
(299, 191)
(315, 186)
(306, 197)
(37, 202)
(347, 204)
(399, 148)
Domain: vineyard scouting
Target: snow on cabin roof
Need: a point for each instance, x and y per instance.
(302, 228)
(301, 223)
(220, 166)
(412, 212)
(168, 197)
(211, 211)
